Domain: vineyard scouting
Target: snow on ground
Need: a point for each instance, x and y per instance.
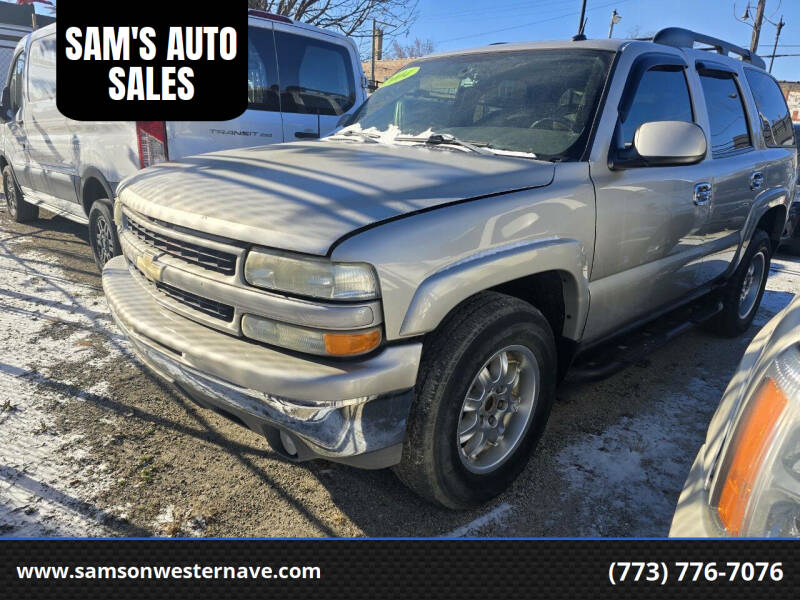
(643, 454)
(47, 481)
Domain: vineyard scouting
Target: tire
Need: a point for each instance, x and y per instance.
(739, 308)
(102, 233)
(19, 210)
(436, 462)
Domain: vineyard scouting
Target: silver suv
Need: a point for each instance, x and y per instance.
(408, 291)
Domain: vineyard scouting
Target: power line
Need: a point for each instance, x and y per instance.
(562, 16)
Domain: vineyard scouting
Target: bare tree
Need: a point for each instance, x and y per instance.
(352, 17)
(415, 50)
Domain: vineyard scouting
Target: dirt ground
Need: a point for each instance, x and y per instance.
(91, 445)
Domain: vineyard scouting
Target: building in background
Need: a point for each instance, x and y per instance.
(385, 68)
(791, 90)
(15, 23)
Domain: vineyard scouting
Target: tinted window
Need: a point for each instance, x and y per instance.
(776, 121)
(662, 95)
(15, 84)
(729, 131)
(42, 70)
(535, 101)
(316, 77)
(262, 76)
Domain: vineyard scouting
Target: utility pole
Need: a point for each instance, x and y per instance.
(775, 47)
(757, 26)
(615, 18)
(374, 29)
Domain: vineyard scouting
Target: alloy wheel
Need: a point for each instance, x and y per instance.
(751, 285)
(498, 409)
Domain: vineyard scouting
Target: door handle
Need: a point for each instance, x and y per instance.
(702, 193)
(306, 135)
(757, 180)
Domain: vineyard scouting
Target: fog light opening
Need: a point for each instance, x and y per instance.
(288, 444)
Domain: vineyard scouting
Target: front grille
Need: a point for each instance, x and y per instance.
(210, 307)
(214, 260)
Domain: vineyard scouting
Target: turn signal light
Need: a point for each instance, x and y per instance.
(349, 344)
(750, 445)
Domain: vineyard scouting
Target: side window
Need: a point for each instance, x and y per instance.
(262, 76)
(662, 95)
(42, 70)
(776, 121)
(729, 131)
(316, 77)
(15, 83)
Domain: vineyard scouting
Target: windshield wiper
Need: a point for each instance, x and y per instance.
(367, 137)
(445, 139)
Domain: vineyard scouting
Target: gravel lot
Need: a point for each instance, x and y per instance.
(90, 444)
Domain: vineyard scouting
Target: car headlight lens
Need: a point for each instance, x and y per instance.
(757, 492)
(311, 341)
(310, 277)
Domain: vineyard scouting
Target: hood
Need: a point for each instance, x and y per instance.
(305, 196)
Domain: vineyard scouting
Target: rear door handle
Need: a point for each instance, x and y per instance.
(702, 193)
(757, 180)
(306, 135)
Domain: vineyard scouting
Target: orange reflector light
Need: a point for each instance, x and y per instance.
(749, 447)
(348, 344)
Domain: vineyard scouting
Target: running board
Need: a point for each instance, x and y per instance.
(609, 358)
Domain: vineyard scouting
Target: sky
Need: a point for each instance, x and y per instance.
(455, 24)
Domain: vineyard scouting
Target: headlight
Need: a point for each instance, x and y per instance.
(311, 277)
(757, 492)
(311, 341)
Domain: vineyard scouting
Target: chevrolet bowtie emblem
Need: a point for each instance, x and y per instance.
(150, 269)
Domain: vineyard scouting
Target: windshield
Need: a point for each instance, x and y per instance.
(539, 102)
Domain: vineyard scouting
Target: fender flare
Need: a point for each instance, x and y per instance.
(763, 203)
(94, 173)
(445, 289)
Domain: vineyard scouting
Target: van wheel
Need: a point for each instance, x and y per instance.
(103, 233)
(741, 296)
(483, 395)
(18, 209)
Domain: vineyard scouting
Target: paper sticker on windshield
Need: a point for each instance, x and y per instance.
(401, 75)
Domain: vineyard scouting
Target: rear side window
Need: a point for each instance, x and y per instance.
(42, 70)
(262, 70)
(662, 95)
(776, 121)
(316, 77)
(729, 132)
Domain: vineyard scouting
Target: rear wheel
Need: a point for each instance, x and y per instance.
(18, 209)
(483, 396)
(741, 296)
(102, 233)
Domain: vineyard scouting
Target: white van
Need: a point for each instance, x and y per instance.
(302, 81)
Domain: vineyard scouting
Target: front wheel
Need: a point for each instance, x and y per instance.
(483, 396)
(102, 233)
(18, 209)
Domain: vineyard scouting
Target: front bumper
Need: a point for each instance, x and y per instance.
(353, 412)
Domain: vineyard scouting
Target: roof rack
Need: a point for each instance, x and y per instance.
(685, 38)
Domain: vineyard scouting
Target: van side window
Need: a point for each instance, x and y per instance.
(729, 131)
(262, 75)
(316, 77)
(776, 121)
(42, 70)
(15, 84)
(662, 95)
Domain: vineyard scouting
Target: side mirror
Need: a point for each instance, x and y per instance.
(662, 143)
